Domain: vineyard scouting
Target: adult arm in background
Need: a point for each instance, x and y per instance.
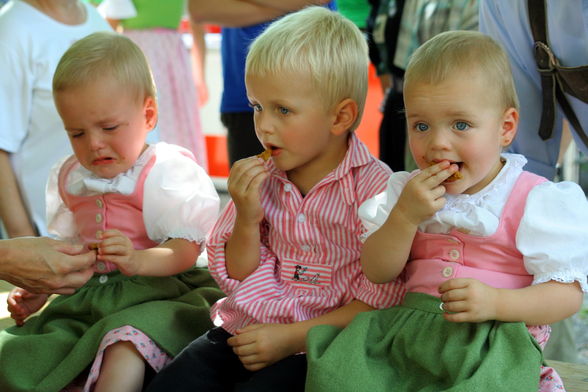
(239, 13)
(13, 212)
(198, 53)
(44, 265)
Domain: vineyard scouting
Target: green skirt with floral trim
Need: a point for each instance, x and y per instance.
(51, 349)
(412, 348)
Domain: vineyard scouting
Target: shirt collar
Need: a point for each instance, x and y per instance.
(357, 155)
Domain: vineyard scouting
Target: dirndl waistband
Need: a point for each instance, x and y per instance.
(424, 302)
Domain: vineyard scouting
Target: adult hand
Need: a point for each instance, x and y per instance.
(44, 265)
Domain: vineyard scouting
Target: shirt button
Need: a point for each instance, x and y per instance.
(103, 279)
(301, 218)
(447, 272)
(454, 254)
(98, 218)
(99, 203)
(287, 187)
(99, 234)
(305, 248)
(100, 266)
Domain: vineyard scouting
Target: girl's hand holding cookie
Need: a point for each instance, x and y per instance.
(118, 249)
(423, 194)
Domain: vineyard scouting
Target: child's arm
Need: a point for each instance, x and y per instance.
(469, 300)
(171, 257)
(242, 251)
(386, 251)
(260, 345)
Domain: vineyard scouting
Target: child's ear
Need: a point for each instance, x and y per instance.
(510, 123)
(346, 113)
(150, 110)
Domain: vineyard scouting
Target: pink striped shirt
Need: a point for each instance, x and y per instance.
(310, 248)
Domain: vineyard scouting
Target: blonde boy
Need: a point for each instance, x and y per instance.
(286, 249)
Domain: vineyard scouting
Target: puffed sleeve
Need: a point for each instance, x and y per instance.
(60, 219)
(374, 212)
(179, 199)
(552, 234)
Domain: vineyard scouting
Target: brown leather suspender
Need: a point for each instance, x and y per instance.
(555, 79)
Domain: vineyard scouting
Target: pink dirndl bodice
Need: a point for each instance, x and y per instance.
(96, 213)
(493, 260)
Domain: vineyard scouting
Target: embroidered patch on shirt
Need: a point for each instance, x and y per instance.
(306, 275)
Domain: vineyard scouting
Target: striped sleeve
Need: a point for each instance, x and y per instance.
(371, 180)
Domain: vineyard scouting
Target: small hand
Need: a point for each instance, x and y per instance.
(260, 345)
(244, 186)
(468, 300)
(423, 194)
(118, 249)
(22, 303)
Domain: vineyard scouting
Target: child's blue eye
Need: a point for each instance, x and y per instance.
(283, 110)
(462, 126)
(421, 127)
(255, 106)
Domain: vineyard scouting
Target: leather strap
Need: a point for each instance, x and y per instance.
(555, 79)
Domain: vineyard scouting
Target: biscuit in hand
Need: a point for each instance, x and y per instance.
(265, 155)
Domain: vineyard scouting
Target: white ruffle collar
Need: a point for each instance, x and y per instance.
(82, 182)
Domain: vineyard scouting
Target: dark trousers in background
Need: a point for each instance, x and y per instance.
(393, 129)
(209, 364)
(241, 139)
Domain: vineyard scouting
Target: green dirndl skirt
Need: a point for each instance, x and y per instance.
(412, 348)
(51, 349)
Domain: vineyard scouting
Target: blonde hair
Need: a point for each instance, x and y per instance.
(449, 53)
(105, 54)
(318, 42)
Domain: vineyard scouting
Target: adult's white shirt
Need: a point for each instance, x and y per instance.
(31, 45)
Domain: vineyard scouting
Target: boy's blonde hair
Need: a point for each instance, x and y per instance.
(449, 53)
(318, 42)
(105, 54)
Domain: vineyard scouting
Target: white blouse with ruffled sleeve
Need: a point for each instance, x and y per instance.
(552, 235)
(179, 198)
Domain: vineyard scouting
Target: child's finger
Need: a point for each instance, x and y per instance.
(112, 250)
(240, 340)
(455, 306)
(245, 350)
(110, 233)
(461, 317)
(440, 176)
(453, 284)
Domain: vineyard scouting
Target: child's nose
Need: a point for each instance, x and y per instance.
(96, 142)
(439, 139)
(263, 123)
